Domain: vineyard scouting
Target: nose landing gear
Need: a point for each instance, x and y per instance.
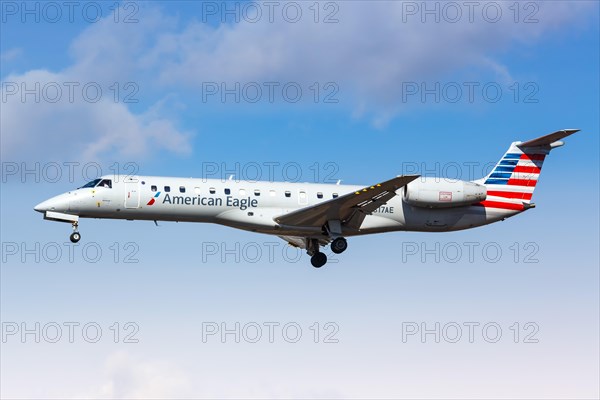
(75, 236)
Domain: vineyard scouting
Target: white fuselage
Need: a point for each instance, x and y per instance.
(253, 205)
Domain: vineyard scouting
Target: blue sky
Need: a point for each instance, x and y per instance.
(370, 57)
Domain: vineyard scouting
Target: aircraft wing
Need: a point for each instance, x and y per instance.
(350, 209)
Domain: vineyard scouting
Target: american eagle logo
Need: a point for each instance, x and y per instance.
(153, 199)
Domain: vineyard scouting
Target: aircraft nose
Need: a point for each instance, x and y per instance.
(42, 207)
(59, 203)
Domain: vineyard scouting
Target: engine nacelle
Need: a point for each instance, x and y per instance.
(441, 193)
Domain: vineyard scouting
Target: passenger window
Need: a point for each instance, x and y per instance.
(256, 192)
(334, 195)
(272, 193)
(182, 189)
(242, 192)
(319, 195)
(227, 191)
(107, 183)
(153, 188)
(197, 190)
(288, 193)
(167, 189)
(212, 190)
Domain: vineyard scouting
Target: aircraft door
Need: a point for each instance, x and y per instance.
(132, 193)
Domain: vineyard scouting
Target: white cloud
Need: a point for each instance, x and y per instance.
(80, 129)
(127, 377)
(371, 52)
(63, 122)
(11, 55)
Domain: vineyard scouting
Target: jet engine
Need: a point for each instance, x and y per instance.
(442, 193)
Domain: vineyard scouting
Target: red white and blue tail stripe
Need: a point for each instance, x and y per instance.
(511, 183)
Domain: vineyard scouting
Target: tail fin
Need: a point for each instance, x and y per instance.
(511, 183)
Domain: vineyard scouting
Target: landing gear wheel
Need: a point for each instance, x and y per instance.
(339, 245)
(318, 260)
(75, 236)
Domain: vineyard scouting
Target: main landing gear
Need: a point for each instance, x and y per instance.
(75, 236)
(339, 245)
(318, 258)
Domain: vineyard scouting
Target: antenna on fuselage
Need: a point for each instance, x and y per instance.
(338, 182)
(230, 177)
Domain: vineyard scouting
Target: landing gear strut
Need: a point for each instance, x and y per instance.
(75, 236)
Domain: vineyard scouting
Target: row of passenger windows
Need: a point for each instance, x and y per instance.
(242, 192)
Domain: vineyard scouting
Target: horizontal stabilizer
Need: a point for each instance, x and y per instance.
(548, 139)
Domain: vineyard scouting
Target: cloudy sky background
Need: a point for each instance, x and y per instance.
(164, 58)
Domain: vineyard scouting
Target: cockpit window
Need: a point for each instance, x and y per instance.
(107, 183)
(90, 184)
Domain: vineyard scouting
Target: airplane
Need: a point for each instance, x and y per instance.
(313, 215)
